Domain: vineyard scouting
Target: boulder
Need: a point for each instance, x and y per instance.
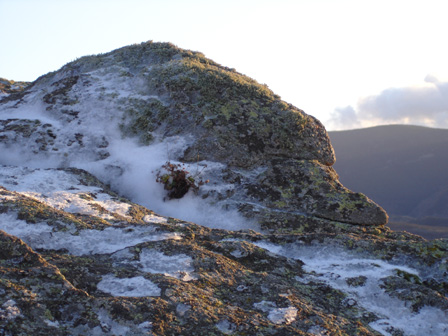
(272, 153)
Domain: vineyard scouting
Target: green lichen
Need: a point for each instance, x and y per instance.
(142, 117)
(413, 278)
(356, 281)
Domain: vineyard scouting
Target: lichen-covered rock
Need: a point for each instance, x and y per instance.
(154, 92)
(111, 267)
(312, 189)
(35, 295)
(77, 258)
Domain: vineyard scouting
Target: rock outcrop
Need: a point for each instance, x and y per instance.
(157, 91)
(8, 87)
(295, 253)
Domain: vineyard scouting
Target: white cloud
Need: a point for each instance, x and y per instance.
(425, 105)
(344, 118)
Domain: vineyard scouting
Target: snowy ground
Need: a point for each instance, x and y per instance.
(64, 191)
(335, 266)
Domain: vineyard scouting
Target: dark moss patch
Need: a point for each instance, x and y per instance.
(142, 117)
(60, 93)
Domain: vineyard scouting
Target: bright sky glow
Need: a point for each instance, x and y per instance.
(323, 56)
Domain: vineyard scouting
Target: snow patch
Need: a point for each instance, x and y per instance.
(108, 325)
(283, 315)
(178, 266)
(238, 253)
(226, 327)
(182, 309)
(52, 323)
(334, 266)
(155, 219)
(273, 248)
(77, 203)
(146, 326)
(84, 242)
(7, 198)
(277, 315)
(34, 111)
(135, 287)
(428, 321)
(61, 190)
(317, 330)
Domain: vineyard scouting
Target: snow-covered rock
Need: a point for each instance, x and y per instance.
(122, 115)
(90, 242)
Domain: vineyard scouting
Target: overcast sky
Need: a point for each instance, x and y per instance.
(350, 63)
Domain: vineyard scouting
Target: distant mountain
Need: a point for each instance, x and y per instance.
(403, 168)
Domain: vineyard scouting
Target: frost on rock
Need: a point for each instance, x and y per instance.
(146, 326)
(83, 203)
(428, 321)
(265, 306)
(83, 242)
(182, 309)
(52, 323)
(317, 331)
(178, 266)
(63, 191)
(238, 253)
(108, 325)
(337, 268)
(9, 310)
(283, 315)
(136, 286)
(277, 315)
(226, 327)
(154, 219)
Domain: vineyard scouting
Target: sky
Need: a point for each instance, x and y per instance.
(349, 63)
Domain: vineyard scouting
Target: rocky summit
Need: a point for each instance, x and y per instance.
(152, 191)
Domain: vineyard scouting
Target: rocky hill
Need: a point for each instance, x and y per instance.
(152, 191)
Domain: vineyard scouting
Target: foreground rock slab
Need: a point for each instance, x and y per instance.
(117, 268)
